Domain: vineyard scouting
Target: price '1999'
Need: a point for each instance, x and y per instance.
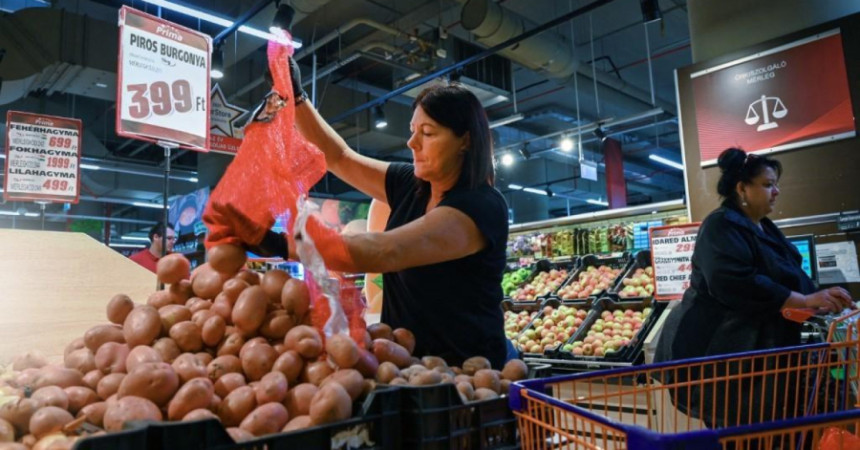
(162, 99)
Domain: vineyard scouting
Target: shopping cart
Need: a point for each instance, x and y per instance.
(785, 398)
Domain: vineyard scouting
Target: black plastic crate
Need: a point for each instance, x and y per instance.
(545, 265)
(641, 261)
(204, 434)
(554, 303)
(620, 262)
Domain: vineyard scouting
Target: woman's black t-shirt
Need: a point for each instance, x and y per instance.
(452, 307)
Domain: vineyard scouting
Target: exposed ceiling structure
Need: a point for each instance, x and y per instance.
(60, 59)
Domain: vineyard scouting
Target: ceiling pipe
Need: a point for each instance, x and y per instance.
(352, 24)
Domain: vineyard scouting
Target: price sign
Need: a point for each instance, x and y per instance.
(43, 157)
(163, 88)
(671, 256)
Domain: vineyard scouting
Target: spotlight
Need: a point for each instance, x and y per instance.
(650, 10)
(507, 159)
(379, 121)
(566, 144)
(217, 70)
(525, 152)
(283, 18)
(600, 133)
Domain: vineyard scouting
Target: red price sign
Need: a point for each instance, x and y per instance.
(671, 254)
(163, 89)
(43, 155)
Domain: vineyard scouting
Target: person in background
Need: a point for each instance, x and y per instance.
(744, 273)
(149, 257)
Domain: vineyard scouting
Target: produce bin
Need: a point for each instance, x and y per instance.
(642, 260)
(544, 266)
(619, 262)
(554, 303)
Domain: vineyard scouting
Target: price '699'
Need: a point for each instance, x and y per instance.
(161, 99)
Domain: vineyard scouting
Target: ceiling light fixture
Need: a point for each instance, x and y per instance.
(597, 202)
(149, 205)
(90, 166)
(226, 23)
(217, 70)
(121, 245)
(535, 191)
(566, 144)
(507, 159)
(379, 121)
(507, 120)
(134, 238)
(515, 186)
(666, 161)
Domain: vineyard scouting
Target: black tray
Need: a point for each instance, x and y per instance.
(616, 262)
(555, 303)
(641, 261)
(544, 265)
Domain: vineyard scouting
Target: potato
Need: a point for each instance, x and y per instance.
(298, 399)
(159, 299)
(180, 292)
(231, 345)
(227, 258)
(13, 446)
(172, 268)
(387, 372)
(51, 396)
(432, 362)
(223, 308)
(195, 394)
(223, 365)
(156, 382)
(250, 310)
(111, 357)
(487, 379)
(140, 355)
(198, 305)
(273, 284)
(305, 340)
(83, 360)
(258, 360)
(27, 378)
(130, 408)
(250, 343)
(249, 276)
(398, 381)
(200, 317)
(271, 388)
(118, 308)
(142, 326)
(342, 350)
(297, 423)
(405, 338)
(295, 298)
(228, 382)
(504, 386)
(330, 404)
(109, 385)
(48, 419)
(236, 406)
(206, 282)
(467, 391)
(276, 324)
(187, 336)
(91, 379)
(289, 363)
(367, 363)
(350, 379)
(7, 431)
(474, 364)
(171, 315)
(79, 397)
(212, 330)
(515, 370)
(484, 394)
(19, 412)
(380, 331)
(94, 413)
(386, 350)
(239, 435)
(100, 334)
(233, 287)
(58, 376)
(199, 414)
(426, 378)
(265, 419)
(29, 360)
(76, 344)
(316, 372)
(187, 367)
(167, 349)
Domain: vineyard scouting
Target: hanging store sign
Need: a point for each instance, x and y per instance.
(43, 158)
(163, 87)
(225, 132)
(763, 103)
(671, 256)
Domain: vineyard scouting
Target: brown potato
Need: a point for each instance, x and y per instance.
(387, 372)
(426, 378)
(79, 397)
(199, 414)
(140, 355)
(157, 382)
(18, 413)
(130, 408)
(109, 385)
(236, 406)
(76, 344)
(467, 391)
(172, 268)
(405, 338)
(181, 291)
(206, 282)
(58, 376)
(200, 317)
(289, 363)
(295, 298)
(250, 343)
(367, 363)
(504, 386)
(51, 396)
(298, 399)
(228, 382)
(167, 348)
(487, 379)
(198, 305)
(386, 350)
(7, 431)
(250, 310)
(159, 299)
(223, 308)
(484, 394)
(265, 419)
(48, 419)
(187, 336)
(227, 258)
(249, 276)
(91, 379)
(118, 308)
(223, 365)
(239, 435)
(231, 345)
(111, 357)
(205, 356)
(83, 360)
(195, 394)
(233, 287)
(258, 360)
(398, 381)
(94, 413)
(305, 340)
(432, 362)
(350, 379)
(187, 367)
(330, 404)
(142, 326)
(273, 284)
(380, 331)
(474, 364)
(30, 360)
(316, 372)
(342, 350)
(171, 315)
(212, 330)
(99, 334)
(271, 388)
(515, 370)
(276, 324)
(297, 423)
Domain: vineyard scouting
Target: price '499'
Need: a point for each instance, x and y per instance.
(159, 98)
(56, 185)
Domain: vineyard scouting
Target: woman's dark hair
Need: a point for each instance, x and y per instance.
(455, 107)
(738, 166)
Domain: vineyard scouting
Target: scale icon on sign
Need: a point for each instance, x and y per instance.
(778, 112)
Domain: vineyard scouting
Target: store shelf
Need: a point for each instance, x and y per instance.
(609, 214)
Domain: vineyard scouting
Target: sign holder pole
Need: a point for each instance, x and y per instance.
(42, 205)
(168, 147)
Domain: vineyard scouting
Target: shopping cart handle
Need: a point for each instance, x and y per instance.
(799, 315)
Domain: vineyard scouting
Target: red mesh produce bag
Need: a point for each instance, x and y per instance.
(838, 439)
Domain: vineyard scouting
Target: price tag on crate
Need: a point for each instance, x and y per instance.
(163, 85)
(43, 158)
(671, 256)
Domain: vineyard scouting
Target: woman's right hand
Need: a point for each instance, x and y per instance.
(833, 299)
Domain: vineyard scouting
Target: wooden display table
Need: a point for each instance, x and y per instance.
(54, 286)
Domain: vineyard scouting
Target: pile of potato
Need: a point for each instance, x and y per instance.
(226, 344)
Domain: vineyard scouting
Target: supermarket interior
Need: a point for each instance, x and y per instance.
(434, 224)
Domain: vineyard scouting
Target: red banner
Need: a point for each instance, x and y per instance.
(791, 96)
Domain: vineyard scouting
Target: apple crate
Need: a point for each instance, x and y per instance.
(618, 264)
(630, 351)
(636, 270)
(518, 316)
(561, 270)
(538, 325)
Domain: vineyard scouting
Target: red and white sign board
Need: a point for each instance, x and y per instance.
(225, 134)
(163, 88)
(671, 256)
(43, 158)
